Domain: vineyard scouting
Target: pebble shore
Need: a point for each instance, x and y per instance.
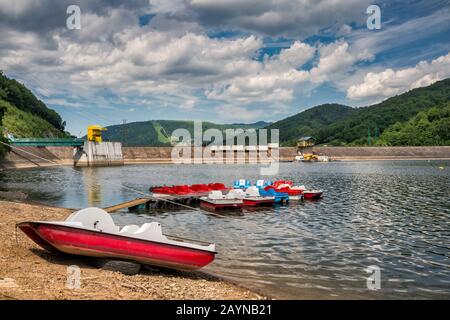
(29, 272)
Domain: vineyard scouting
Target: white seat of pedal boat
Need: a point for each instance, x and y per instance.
(235, 194)
(131, 228)
(252, 192)
(150, 231)
(93, 218)
(260, 183)
(215, 195)
(99, 220)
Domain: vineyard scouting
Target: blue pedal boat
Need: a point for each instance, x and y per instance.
(280, 197)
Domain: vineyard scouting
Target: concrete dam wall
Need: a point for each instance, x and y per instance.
(34, 156)
(25, 157)
(164, 155)
(97, 154)
(147, 154)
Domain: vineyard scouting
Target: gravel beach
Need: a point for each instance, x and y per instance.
(29, 272)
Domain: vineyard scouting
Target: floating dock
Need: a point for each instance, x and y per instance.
(158, 201)
(164, 201)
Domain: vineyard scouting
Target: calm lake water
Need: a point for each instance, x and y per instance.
(390, 214)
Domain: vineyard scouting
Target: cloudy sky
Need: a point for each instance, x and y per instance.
(219, 60)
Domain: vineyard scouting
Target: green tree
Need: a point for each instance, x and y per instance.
(427, 128)
(3, 149)
(18, 95)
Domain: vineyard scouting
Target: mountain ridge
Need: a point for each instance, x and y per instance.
(354, 127)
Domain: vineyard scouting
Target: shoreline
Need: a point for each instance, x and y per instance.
(30, 272)
(30, 157)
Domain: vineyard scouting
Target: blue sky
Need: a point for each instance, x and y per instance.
(223, 61)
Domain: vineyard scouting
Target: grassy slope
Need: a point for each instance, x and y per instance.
(162, 135)
(25, 125)
(22, 98)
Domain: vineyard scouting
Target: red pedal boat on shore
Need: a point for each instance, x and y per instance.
(91, 232)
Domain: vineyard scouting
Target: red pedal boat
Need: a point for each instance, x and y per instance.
(221, 204)
(312, 194)
(286, 187)
(253, 198)
(258, 201)
(217, 186)
(162, 190)
(216, 200)
(200, 188)
(186, 190)
(91, 232)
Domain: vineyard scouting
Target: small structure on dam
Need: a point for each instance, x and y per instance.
(95, 152)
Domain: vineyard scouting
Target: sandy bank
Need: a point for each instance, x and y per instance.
(29, 272)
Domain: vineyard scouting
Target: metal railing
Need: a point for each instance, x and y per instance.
(36, 142)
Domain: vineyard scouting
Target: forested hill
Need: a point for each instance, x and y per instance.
(310, 122)
(158, 132)
(340, 125)
(25, 115)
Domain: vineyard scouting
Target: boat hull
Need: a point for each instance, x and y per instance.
(221, 206)
(258, 202)
(75, 241)
(296, 198)
(312, 195)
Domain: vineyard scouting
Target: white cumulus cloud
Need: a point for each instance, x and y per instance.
(379, 85)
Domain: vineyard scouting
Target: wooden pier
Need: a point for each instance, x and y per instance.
(129, 204)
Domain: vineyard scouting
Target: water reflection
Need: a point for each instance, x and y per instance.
(91, 179)
(391, 214)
